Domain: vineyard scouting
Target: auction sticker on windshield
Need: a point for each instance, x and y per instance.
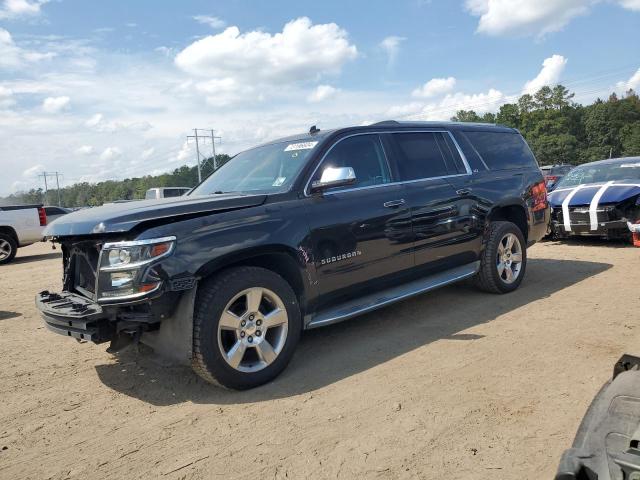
(300, 146)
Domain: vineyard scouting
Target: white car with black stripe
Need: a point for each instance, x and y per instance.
(598, 199)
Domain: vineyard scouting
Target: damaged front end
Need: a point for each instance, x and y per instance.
(114, 291)
(607, 221)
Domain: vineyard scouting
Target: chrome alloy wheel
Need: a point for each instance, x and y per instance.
(253, 329)
(509, 258)
(5, 249)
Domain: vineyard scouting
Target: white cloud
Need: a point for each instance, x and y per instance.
(55, 104)
(94, 120)
(98, 123)
(525, 17)
(435, 87)
(6, 97)
(532, 17)
(186, 152)
(85, 150)
(302, 51)
(21, 8)
(321, 93)
(146, 154)
(630, 4)
(632, 83)
(213, 22)
(166, 51)
(14, 57)
(391, 46)
(33, 171)
(552, 69)
(447, 107)
(110, 153)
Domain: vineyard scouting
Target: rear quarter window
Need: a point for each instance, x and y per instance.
(502, 150)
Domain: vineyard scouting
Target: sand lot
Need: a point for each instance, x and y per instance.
(452, 384)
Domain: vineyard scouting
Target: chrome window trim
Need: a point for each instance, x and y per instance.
(307, 192)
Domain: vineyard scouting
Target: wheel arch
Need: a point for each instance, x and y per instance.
(280, 259)
(7, 230)
(514, 213)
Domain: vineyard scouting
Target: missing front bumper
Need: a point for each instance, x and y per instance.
(74, 316)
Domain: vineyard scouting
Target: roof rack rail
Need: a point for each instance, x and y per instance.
(386, 122)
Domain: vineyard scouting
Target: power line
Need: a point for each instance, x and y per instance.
(44, 175)
(202, 137)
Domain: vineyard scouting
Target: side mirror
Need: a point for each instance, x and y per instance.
(334, 177)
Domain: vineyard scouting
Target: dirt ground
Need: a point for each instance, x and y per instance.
(451, 384)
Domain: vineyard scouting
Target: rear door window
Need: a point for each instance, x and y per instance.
(451, 153)
(502, 150)
(421, 155)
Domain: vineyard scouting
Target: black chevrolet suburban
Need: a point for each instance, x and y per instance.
(296, 234)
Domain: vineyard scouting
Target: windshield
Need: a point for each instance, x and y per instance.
(602, 172)
(267, 169)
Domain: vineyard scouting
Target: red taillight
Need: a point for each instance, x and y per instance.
(551, 178)
(42, 215)
(539, 196)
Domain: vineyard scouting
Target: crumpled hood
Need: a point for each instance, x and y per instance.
(584, 194)
(122, 217)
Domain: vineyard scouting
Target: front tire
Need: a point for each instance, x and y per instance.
(8, 248)
(504, 260)
(246, 326)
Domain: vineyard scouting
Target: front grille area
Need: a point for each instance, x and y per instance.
(580, 215)
(81, 266)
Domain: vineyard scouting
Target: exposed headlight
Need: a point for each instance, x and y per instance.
(122, 267)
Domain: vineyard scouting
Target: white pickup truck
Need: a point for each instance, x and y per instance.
(20, 226)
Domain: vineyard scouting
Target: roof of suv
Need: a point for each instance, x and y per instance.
(393, 125)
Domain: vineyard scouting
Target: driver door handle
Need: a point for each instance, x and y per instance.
(463, 191)
(394, 203)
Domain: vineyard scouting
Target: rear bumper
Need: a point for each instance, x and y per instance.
(74, 316)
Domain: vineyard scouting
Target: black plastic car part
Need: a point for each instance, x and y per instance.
(606, 446)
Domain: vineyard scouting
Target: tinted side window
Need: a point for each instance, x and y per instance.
(451, 153)
(54, 211)
(502, 150)
(420, 156)
(173, 192)
(364, 154)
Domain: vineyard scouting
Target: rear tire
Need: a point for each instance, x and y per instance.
(504, 259)
(8, 248)
(246, 326)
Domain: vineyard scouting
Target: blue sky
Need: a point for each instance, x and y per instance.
(100, 90)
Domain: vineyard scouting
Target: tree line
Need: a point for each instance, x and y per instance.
(94, 194)
(558, 130)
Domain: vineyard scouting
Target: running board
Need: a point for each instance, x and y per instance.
(386, 297)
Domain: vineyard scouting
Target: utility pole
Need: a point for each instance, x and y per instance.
(46, 186)
(200, 137)
(213, 149)
(58, 187)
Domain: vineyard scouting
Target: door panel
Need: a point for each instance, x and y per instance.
(442, 220)
(357, 240)
(440, 225)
